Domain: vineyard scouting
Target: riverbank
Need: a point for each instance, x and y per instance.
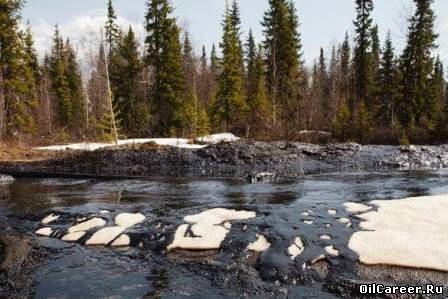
(233, 159)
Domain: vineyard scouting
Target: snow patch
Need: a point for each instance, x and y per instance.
(86, 146)
(50, 218)
(89, 224)
(175, 142)
(345, 221)
(218, 216)
(332, 251)
(207, 229)
(354, 207)
(410, 232)
(260, 245)
(73, 237)
(127, 220)
(105, 235)
(218, 138)
(296, 248)
(45, 231)
(325, 237)
(122, 240)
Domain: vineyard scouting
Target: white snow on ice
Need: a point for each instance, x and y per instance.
(207, 228)
(73, 237)
(260, 245)
(85, 226)
(105, 235)
(296, 248)
(122, 240)
(354, 207)
(410, 232)
(332, 251)
(50, 218)
(127, 220)
(45, 231)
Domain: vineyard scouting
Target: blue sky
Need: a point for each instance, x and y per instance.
(323, 22)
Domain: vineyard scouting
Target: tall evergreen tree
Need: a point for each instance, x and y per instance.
(417, 65)
(388, 80)
(436, 104)
(31, 53)
(74, 83)
(346, 70)
(364, 78)
(256, 97)
(324, 89)
(164, 56)
(124, 76)
(17, 95)
(204, 78)
(363, 27)
(284, 66)
(59, 80)
(229, 107)
(251, 61)
(190, 93)
(112, 29)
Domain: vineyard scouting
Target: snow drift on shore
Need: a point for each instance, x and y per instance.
(411, 232)
(175, 142)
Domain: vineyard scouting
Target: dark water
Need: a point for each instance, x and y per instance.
(77, 271)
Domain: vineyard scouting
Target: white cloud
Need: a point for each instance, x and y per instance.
(84, 33)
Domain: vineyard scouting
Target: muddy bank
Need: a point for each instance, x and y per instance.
(238, 159)
(18, 261)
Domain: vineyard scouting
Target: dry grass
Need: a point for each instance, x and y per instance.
(20, 152)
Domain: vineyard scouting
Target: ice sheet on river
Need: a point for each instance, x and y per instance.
(410, 232)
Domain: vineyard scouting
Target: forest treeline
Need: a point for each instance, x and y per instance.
(362, 90)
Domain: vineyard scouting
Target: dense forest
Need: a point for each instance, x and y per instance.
(361, 91)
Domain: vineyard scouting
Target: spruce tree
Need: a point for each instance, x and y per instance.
(74, 82)
(164, 56)
(324, 90)
(229, 107)
(112, 29)
(346, 70)
(190, 92)
(417, 65)
(251, 61)
(362, 54)
(284, 66)
(60, 84)
(374, 65)
(214, 61)
(388, 80)
(17, 93)
(31, 53)
(435, 107)
(125, 70)
(256, 97)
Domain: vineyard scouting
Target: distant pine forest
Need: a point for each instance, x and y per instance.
(361, 91)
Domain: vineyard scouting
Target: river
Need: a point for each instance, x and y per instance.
(73, 270)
